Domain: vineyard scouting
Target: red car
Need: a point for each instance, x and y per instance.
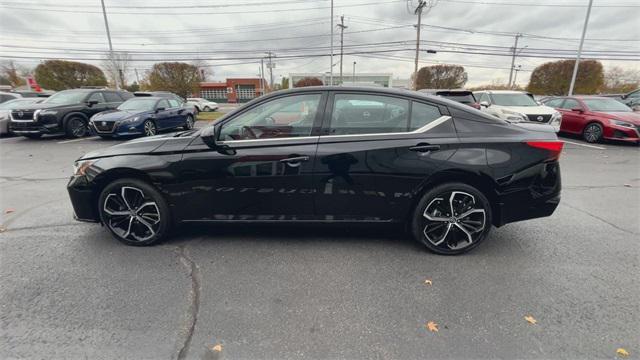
(597, 118)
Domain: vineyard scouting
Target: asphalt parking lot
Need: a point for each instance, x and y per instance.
(69, 290)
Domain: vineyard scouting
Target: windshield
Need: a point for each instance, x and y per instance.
(606, 105)
(513, 100)
(14, 104)
(66, 98)
(138, 104)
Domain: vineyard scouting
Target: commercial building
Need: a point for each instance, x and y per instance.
(348, 78)
(234, 90)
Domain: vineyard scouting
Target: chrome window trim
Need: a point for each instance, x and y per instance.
(421, 130)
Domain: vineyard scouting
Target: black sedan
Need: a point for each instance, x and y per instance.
(329, 155)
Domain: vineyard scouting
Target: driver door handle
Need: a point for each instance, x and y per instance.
(423, 148)
(296, 159)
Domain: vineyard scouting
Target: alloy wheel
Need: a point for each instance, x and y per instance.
(592, 133)
(454, 220)
(149, 128)
(189, 123)
(131, 215)
(78, 127)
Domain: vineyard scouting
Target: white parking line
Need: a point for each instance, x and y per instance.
(585, 145)
(76, 140)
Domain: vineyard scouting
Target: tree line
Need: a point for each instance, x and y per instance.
(551, 78)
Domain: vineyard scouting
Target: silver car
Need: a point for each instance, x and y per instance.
(15, 104)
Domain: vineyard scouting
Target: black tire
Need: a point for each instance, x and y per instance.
(188, 124)
(136, 221)
(207, 109)
(445, 234)
(76, 127)
(592, 133)
(149, 128)
(33, 136)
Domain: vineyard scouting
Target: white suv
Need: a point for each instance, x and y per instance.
(203, 104)
(517, 106)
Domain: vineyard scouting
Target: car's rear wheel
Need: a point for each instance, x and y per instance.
(149, 128)
(592, 133)
(76, 127)
(206, 108)
(188, 124)
(134, 212)
(452, 218)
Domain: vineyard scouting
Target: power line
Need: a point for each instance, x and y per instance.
(539, 4)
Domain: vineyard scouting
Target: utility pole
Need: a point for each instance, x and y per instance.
(262, 76)
(418, 12)
(515, 75)
(106, 25)
(331, 57)
(270, 66)
(575, 66)
(342, 26)
(137, 76)
(513, 58)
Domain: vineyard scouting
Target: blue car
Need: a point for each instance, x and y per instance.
(144, 116)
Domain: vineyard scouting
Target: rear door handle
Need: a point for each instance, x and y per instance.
(423, 148)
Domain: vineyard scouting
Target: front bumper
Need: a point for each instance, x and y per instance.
(83, 199)
(118, 130)
(32, 127)
(622, 133)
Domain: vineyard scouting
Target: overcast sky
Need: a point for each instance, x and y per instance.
(231, 36)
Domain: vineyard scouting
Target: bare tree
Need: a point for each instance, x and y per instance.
(204, 69)
(617, 79)
(117, 67)
(12, 73)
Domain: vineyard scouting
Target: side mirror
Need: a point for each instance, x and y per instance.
(577, 110)
(158, 109)
(484, 103)
(209, 136)
(92, 102)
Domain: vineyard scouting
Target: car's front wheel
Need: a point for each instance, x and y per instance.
(207, 108)
(76, 127)
(188, 124)
(592, 133)
(452, 218)
(149, 128)
(134, 212)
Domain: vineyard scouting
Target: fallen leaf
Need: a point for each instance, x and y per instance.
(622, 352)
(2, 229)
(217, 348)
(627, 185)
(428, 282)
(530, 319)
(433, 327)
(9, 211)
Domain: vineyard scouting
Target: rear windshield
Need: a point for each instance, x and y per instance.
(606, 105)
(462, 98)
(141, 104)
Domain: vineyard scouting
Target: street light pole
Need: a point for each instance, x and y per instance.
(575, 66)
(106, 25)
(342, 26)
(353, 78)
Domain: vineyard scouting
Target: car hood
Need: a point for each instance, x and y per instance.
(46, 106)
(114, 115)
(632, 117)
(142, 146)
(529, 110)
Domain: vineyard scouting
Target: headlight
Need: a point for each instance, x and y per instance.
(622, 123)
(130, 120)
(514, 115)
(80, 167)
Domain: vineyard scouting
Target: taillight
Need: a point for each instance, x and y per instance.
(554, 147)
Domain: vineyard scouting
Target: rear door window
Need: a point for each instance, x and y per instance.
(174, 103)
(354, 114)
(423, 114)
(112, 97)
(97, 96)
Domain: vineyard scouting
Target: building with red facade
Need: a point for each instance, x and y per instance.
(234, 90)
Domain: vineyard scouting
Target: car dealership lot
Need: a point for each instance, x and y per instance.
(70, 290)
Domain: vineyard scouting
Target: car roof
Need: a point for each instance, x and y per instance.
(503, 91)
(147, 98)
(371, 89)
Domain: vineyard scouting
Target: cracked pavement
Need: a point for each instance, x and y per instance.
(70, 291)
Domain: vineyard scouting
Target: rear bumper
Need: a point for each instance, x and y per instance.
(83, 199)
(510, 212)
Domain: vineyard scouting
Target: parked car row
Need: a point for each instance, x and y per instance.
(103, 112)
